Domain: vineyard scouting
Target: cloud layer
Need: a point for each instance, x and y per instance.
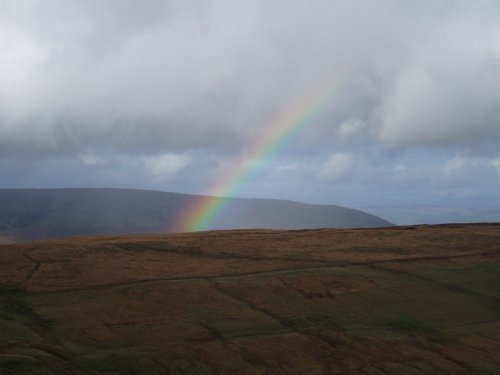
(168, 91)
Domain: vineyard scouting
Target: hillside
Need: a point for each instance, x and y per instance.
(437, 214)
(48, 213)
(401, 300)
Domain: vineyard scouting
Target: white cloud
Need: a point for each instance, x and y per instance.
(337, 166)
(351, 128)
(463, 171)
(165, 165)
(91, 159)
(496, 163)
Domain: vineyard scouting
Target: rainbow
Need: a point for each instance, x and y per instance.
(198, 215)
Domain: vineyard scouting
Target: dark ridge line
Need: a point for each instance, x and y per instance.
(331, 264)
(214, 233)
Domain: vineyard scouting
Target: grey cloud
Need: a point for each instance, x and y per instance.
(193, 67)
(164, 94)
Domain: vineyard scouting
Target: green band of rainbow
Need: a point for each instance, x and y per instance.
(199, 214)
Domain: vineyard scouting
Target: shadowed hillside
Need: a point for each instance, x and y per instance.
(405, 300)
(48, 213)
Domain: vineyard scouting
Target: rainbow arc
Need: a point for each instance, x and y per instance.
(283, 127)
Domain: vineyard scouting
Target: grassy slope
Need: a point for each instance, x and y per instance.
(386, 301)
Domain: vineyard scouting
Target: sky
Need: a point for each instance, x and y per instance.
(166, 95)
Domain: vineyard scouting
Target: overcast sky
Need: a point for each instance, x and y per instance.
(166, 94)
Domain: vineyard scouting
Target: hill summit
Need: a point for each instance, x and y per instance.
(48, 213)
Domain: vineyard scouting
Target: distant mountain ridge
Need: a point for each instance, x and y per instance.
(437, 214)
(48, 213)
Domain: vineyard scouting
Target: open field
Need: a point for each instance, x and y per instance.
(402, 300)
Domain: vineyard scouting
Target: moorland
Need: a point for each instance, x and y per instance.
(398, 300)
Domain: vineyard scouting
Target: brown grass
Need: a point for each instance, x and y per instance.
(422, 299)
